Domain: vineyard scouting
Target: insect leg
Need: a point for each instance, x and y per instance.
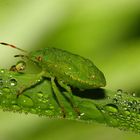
(57, 94)
(32, 83)
(68, 89)
(29, 84)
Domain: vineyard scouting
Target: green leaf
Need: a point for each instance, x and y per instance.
(113, 108)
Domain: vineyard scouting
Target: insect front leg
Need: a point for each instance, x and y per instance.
(58, 96)
(31, 82)
(28, 85)
(68, 89)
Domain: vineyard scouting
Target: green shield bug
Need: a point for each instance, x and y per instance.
(69, 70)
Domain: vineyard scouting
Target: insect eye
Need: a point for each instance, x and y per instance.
(39, 58)
(20, 66)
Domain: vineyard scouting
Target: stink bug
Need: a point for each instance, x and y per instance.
(69, 70)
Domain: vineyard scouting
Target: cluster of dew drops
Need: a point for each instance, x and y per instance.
(125, 109)
(40, 105)
(10, 82)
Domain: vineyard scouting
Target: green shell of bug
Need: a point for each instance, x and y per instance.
(69, 68)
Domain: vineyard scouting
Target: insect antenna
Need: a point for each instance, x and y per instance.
(6, 44)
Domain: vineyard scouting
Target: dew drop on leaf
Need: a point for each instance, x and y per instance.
(115, 100)
(134, 94)
(13, 82)
(119, 93)
(130, 104)
(42, 98)
(1, 82)
(1, 93)
(126, 112)
(15, 107)
(111, 108)
(51, 106)
(40, 94)
(113, 122)
(33, 111)
(81, 114)
(2, 71)
(25, 101)
(49, 112)
(13, 102)
(6, 89)
(134, 103)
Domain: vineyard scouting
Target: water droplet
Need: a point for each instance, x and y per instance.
(42, 106)
(126, 112)
(102, 110)
(40, 94)
(113, 122)
(15, 107)
(39, 80)
(13, 82)
(133, 114)
(2, 71)
(6, 89)
(5, 103)
(111, 108)
(49, 112)
(1, 82)
(82, 114)
(115, 100)
(45, 101)
(130, 104)
(134, 102)
(51, 107)
(1, 93)
(93, 77)
(25, 101)
(138, 116)
(134, 94)
(70, 113)
(119, 92)
(33, 111)
(42, 98)
(13, 102)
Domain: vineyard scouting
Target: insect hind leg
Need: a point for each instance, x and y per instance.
(68, 89)
(58, 96)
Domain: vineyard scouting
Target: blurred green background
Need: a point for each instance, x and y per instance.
(105, 31)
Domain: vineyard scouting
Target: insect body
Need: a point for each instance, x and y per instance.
(67, 68)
